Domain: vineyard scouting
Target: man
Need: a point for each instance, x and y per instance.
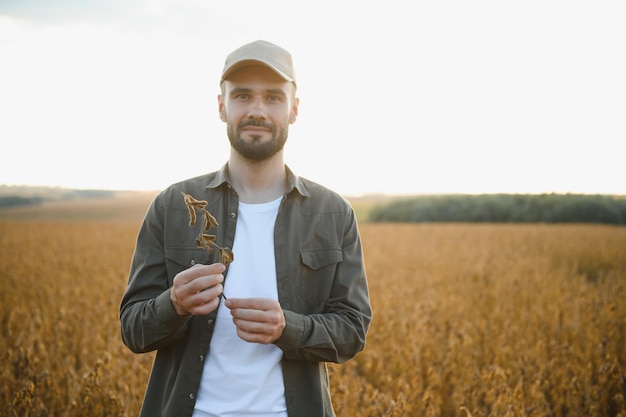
(251, 337)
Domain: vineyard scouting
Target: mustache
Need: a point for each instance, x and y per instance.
(256, 123)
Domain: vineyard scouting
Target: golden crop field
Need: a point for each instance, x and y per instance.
(480, 320)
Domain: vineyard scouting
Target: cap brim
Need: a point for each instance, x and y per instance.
(251, 62)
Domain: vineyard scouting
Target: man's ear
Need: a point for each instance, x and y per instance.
(220, 107)
(294, 111)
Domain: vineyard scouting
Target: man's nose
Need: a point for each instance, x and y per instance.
(257, 109)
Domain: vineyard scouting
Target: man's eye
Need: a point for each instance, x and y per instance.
(242, 97)
(273, 99)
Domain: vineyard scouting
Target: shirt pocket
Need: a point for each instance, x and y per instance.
(177, 259)
(318, 274)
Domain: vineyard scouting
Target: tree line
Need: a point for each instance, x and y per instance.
(16, 200)
(26, 197)
(504, 208)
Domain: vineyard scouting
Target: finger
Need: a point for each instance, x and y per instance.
(199, 277)
(252, 303)
(206, 294)
(258, 332)
(241, 315)
(250, 326)
(253, 337)
(190, 297)
(197, 289)
(206, 308)
(205, 283)
(197, 271)
(258, 321)
(203, 302)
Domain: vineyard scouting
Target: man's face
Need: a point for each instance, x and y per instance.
(257, 106)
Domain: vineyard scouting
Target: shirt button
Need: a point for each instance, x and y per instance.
(210, 321)
(193, 262)
(200, 358)
(233, 215)
(192, 396)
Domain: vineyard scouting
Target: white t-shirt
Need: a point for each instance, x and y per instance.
(241, 378)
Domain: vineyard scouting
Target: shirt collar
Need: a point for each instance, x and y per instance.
(293, 181)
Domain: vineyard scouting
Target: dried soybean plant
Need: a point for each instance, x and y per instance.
(205, 240)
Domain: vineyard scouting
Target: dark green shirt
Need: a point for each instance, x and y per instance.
(322, 288)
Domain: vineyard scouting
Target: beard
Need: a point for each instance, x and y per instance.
(255, 149)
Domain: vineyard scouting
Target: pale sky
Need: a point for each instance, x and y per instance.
(396, 96)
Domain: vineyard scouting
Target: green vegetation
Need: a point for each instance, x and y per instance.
(16, 201)
(19, 196)
(504, 208)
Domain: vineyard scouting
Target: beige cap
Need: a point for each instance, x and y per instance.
(264, 53)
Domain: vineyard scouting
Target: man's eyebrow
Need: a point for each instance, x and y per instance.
(274, 91)
(238, 90)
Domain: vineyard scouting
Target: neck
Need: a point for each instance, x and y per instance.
(257, 182)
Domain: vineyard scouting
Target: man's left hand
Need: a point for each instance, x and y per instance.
(258, 320)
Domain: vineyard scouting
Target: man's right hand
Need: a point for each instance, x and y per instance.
(196, 290)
